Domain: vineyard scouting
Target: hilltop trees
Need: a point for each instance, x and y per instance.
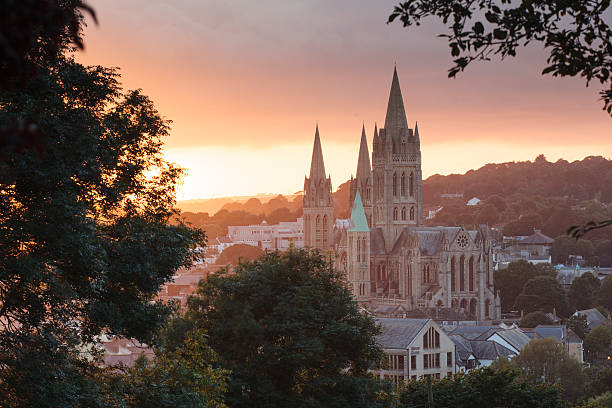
(583, 291)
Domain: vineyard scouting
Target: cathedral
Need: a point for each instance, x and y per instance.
(385, 252)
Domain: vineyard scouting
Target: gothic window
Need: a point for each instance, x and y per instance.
(411, 213)
(464, 304)
(394, 185)
(471, 272)
(358, 249)
(395, 214)
(473, 304)
(403, 184)
(318, 229)
(462, 273)
(424, 274)
(411, 184)
(325, 230)
(452, 277)
(368, 194)
(404, 214)
(487, 306)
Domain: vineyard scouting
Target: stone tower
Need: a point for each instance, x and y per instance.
(358, 250)
(318, 202)
(397, 178)
(363, 180)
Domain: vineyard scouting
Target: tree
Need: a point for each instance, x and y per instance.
(583, 292)
(85, 242)
(498, 202)
(542, 293)
(510, 281)
(575, 32)
(578, 324)
(605, 293)
(488, 214)
(600, 382)
(598, 340)
(547, 361)
(184, 377)
(534, 319)
(288, 329)
(233, 254)
(484, 387)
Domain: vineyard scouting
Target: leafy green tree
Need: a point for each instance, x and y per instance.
(498, 202)
(542, 293)
(602, 401)
(184, 377)
(547, 361)
(485, 387)
(598, 340)
(510, 281)
(578, 324)
(488, 214)
(85, 242)
(605, 293)
(534, 319)
(288, 329)
(600, 382)
(582, 294)
(575, 32)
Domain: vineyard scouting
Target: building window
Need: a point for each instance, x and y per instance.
(358, 250)
(394, 185)
(471, 272)
(426, 360)
(394, 214)
(462, 273)
(318, 230)
(437, 376)
(413, 365)
(411, 184)
(403, 213)
(403, 184)
(411, 213)
(325, 230)
(400, 362)
(452, 277)
(449, 359)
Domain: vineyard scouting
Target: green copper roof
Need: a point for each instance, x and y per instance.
(359, 223)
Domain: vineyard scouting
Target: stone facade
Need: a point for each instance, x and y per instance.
(386, 253)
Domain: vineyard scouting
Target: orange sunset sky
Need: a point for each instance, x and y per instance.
(244, 83)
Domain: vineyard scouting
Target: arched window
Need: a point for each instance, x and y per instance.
(424, 274)
(368, 194)
(403, 184)
(363, 250)
(395, 214)
(318, 230)
(452, 277)
(403, 213)
(343, 262)
(325, 230)
(487, 306)
(411, 184)
(411, 213)
(464, 304)
(462, 273)
(358, 249)
(394, 185)
(471, 272)
(473, 304)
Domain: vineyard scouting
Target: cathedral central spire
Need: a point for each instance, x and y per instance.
(317, 167)
(396, 115)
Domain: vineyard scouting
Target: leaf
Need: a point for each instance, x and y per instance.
(500, 34)
(478, 28)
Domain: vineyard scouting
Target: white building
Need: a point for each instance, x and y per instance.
(269, 237)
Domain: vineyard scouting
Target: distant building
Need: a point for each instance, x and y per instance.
(534, 249)
(269, 237)
(451, 195)
(431, 214)
(385, 252)
(119, 350)
(415, 348)
(473, 201)
(594, 317)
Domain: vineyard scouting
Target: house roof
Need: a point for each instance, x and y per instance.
(399, 333)
(515, 337)
(555, 332)
(593, 316)
(537, 238)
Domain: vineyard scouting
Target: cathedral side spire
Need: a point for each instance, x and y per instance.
(358, 222)
(417, 139)
(317, 166)
(363, 163)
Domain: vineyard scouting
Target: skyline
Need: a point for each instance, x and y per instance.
(244, 100)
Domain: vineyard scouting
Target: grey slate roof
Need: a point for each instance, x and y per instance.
(399, 333)
(514, 337)
(480, 349)
(475, 332)
(429, 242)
(555, 332)
(593, 316)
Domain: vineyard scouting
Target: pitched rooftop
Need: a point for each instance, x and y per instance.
(359, 222)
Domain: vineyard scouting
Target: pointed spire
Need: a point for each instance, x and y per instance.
(396, 115)
(375, 138)
(358, 222)
(317, 167)
(416, 132)
(363, 163)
